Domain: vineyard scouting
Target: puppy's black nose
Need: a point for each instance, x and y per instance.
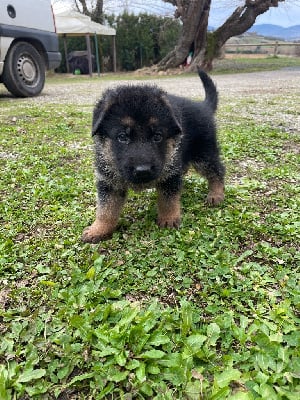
(144, 172)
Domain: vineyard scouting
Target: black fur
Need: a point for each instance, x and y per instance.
(145, 138)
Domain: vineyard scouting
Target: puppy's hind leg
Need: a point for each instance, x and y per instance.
(214, 172)
(109, 206)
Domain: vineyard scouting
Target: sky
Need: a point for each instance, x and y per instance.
(286, 14)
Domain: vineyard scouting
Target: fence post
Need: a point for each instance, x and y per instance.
(276, 48)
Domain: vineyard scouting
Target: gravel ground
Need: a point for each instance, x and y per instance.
(271, 98)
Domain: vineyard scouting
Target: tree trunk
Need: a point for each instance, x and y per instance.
(194, 16)
(208, 45)
(96, 13)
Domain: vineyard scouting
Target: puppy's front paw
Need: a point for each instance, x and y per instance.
(90, 236)
(169, 211)
(168, 222)
(215, 198)
(95, 233)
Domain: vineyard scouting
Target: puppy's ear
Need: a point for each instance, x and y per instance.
(175, 128)
(100, 111)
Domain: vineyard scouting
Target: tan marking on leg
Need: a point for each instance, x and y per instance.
(169, 214)
(216, 192)
(106, 221)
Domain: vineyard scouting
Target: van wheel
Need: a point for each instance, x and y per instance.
(24, 70)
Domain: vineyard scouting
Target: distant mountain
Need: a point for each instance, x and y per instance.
(291, 33)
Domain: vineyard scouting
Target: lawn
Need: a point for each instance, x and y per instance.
(209, 311)
(244, 63)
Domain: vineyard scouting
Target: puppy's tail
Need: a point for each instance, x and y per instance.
(211, 94)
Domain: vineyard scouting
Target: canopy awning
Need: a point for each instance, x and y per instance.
(72, 23)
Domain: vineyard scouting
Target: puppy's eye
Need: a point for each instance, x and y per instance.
(157, 137)
(123, 138)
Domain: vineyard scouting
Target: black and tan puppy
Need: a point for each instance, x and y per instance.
(147, 138)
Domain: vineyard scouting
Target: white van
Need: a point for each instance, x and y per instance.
(28, 45)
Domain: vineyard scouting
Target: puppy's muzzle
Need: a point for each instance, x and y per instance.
(143, 173)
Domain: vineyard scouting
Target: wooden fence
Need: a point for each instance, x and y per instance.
(275, 48)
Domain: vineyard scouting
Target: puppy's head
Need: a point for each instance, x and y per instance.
(142, 129)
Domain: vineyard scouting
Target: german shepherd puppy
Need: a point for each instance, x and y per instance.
(147, 138)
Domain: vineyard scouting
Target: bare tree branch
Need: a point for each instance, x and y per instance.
(207, 46)
(243, 18)
(85, 9)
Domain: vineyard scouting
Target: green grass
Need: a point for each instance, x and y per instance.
(252, 64)
(210, 311)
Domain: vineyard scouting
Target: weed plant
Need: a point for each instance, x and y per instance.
(209, 311)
